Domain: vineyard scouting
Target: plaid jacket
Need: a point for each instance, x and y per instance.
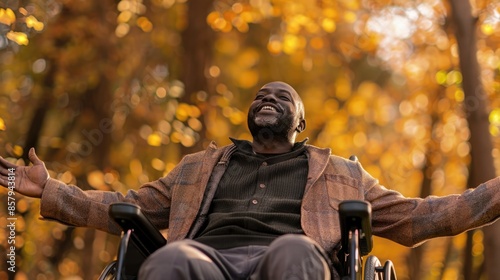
(180, 201)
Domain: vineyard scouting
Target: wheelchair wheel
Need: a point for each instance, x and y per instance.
(109, 272)
(389, 271)
(370, 268)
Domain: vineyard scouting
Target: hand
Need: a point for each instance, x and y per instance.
(28, 180)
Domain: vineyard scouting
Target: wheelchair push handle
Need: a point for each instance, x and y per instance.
(356, 215)
(129, 217)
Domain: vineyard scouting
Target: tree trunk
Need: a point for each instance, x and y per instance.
(475, 106)
(38, 118)
(197, 42)
(416, 255)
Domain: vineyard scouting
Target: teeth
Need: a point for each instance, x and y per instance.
(268, 108)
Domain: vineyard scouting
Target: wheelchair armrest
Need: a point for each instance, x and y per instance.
(356, 214)
(144, 235)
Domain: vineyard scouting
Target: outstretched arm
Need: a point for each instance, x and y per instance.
(28, 180)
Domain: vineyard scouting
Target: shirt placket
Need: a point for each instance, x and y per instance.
(261, 186)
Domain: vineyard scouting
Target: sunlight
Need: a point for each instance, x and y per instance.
(393, 22)
(491, 21)
(396, 26)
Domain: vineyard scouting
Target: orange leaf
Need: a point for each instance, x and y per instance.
(18, 37)
(7, 16)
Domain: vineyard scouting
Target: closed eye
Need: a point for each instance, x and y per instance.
(285, 98)
(259, 96)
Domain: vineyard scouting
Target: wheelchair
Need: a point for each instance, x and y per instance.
(140, 239)
(357, 242)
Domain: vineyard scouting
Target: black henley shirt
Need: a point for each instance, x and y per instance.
(258, 198)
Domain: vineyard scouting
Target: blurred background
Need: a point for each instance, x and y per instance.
(112, 93)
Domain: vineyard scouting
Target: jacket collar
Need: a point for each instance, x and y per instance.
(318, 160)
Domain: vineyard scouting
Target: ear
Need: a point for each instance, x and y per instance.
(302, 126)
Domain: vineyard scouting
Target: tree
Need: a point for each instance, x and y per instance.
(482, 167)
(379, 80)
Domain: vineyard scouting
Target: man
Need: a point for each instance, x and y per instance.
(266, 209)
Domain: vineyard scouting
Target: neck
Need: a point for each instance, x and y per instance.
(271, 147)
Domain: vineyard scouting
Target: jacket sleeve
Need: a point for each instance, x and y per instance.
(68, 204)
(411, 221)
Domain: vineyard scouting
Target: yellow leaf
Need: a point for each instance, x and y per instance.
(145, 24)
(7, 16)
(330, 13)
(2, 124)
(182, 112)
(32, 22)
(248, 78)
(17, 150)
(459, 95)
(195, 124)
(124, 16)
(122, 29)
(274, 46)
(454, 77)
(290, 43)
(194, 111)
(18, 37)
(39, 26)
(237, 118)
(350, 17)
(495, 117)
(328, 25)
(135, 167)
(212, 17)
(158, 164)
(441, 77)
(96, 180)
(357, 106)
(23, 11)
(317, 43)
(154, 139)
(487, 29)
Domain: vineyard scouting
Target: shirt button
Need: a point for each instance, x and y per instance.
(262, 186)
(254, 201)
(264, 163)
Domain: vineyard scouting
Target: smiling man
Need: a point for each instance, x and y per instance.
(260, 209)
(275, 117)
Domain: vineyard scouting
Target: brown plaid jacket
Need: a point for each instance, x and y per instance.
(180, 201)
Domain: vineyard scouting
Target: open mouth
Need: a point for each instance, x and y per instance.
(267, 108)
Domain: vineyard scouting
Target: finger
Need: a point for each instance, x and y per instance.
(4, 172)
(33, 157)
(4, 182)
(6, 167)
(6, 164)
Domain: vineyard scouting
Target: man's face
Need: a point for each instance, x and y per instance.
(277, 107)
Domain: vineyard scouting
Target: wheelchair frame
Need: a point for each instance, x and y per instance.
(140, 239)
(357, 241)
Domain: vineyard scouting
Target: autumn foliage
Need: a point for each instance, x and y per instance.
(113, 93)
